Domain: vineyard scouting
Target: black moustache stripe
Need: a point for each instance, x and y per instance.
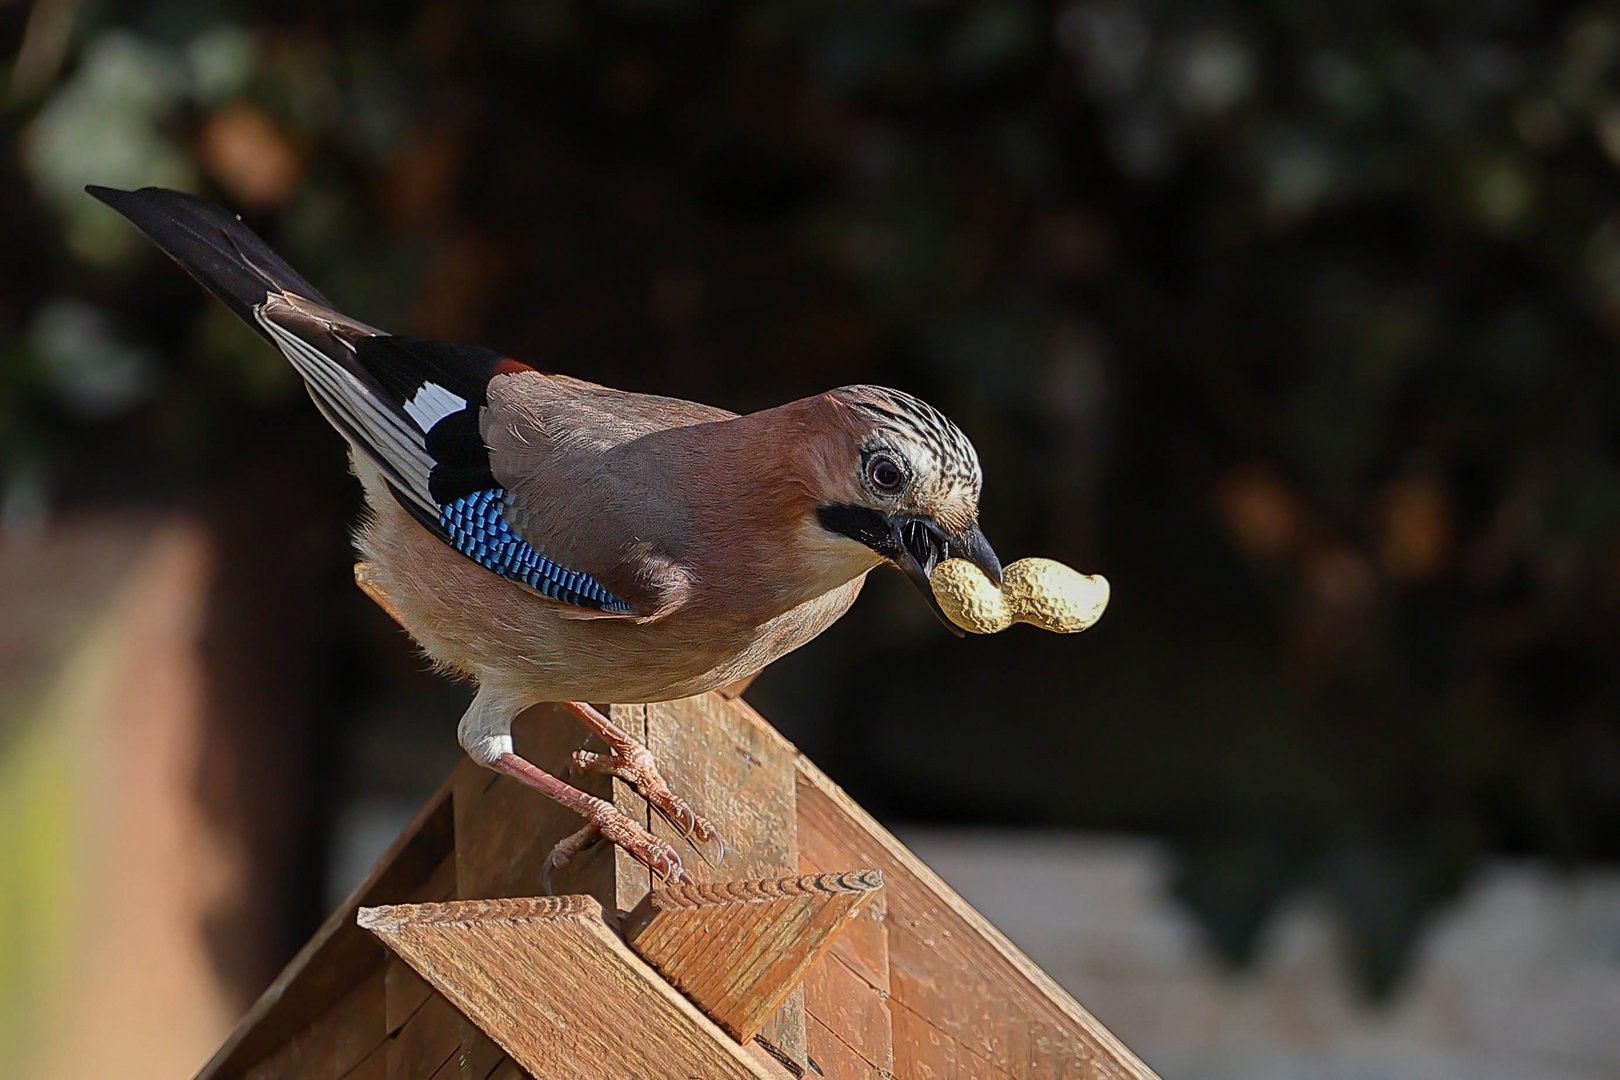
(861, 524)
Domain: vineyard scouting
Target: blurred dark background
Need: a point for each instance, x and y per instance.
(1297, 321)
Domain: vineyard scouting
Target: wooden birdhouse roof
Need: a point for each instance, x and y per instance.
(819, 947)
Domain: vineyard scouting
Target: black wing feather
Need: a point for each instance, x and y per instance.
(408, 405)
(401, 365)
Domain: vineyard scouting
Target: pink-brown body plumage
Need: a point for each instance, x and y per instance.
(725, 594)
(556, 540)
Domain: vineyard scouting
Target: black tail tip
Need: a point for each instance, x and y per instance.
(124, 201)
(117, 197)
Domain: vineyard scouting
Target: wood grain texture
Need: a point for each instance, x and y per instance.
(340, 955)
(406, 993)
(557, 988)
(848, 1029)
(430, 1037)
(454, 1068)
(848, 1023)
(336, 1041)
(630, 880)
(480, 1054)
(505, 829)
(739, 779)
(951, 972)
(373, 1067)
(742, 779)
(739, 948)
(924, 1050)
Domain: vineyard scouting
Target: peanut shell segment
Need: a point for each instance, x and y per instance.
(1041, 592)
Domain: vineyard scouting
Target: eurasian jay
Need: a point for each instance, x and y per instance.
(555, 540)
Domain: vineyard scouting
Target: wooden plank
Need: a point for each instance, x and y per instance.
(742, 779)
(964, 1001)
(339, 955)
(848, 1022)
(950, 968)
(438, 885)
(739, 948)
(406, 993)
(863, 947)
(926, 1045)
(359, 1022)
(925, 1051)
(557, 988)
(334, 1042)
(631, 880)
(429, 1038)
(831, 1055)
(849, 1031)
(480, 1055)
(373, 1067)
(454, 1068)
(735, 775)
(505, 829)
(770, 1063)
(465, 1065)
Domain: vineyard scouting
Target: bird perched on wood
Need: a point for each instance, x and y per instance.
(556, 540)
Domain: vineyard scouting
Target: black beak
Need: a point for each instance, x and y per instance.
(920, 545)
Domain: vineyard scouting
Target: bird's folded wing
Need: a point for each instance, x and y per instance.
(413, 408)
(603, 475)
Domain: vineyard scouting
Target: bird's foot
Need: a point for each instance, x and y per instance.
(563, 852)
(634, 764)
(603, 821)
(607, 822)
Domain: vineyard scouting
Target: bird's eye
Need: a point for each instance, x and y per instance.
(885, 474)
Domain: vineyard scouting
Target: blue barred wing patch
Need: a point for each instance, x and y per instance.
(477, 528)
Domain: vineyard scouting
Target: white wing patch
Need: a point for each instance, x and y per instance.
(340, 395)
(433, 403)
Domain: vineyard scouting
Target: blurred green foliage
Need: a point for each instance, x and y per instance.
(1299, 321)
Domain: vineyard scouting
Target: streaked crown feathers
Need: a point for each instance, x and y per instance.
(946, 465)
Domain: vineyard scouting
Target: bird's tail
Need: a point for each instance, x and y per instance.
(212, 246)
(408, 406)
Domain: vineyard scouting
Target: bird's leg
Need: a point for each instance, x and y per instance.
(633, 763)
(603, 820)
(485, 732)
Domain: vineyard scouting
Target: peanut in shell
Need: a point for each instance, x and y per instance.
(1041, 592)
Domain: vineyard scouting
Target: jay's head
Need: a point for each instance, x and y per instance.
(903, 481)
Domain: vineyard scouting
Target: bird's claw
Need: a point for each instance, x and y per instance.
(661, 858)
(672, 872)
(638, 769)
(608, 822)
(702, 838)
(694, 828)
